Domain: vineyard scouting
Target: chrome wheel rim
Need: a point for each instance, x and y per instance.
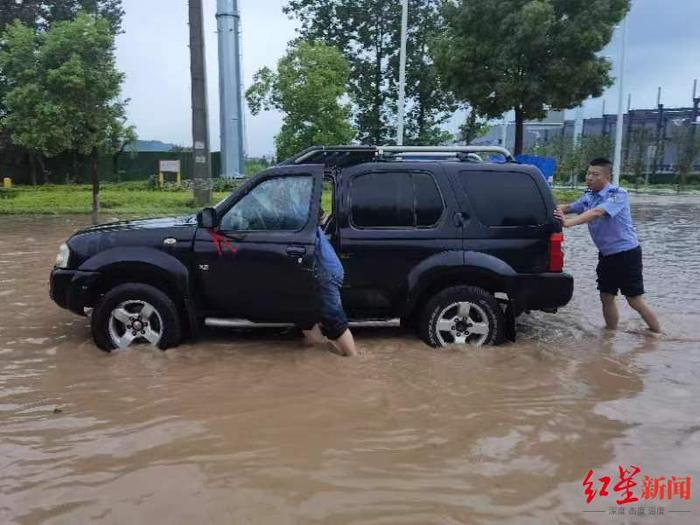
(462, 323)
(134, 321)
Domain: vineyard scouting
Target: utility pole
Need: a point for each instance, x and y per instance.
(620, 108)
(693, 124)
(628, 138)
(696, 102)
(201, 169)
(578, 125)
(402, 71)
(605, 121)
(231, 114)
(504, 131)
(660, 134)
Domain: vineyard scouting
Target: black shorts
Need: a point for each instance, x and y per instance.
(621, 271)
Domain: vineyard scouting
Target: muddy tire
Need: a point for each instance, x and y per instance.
(134, 313)
(462, 315)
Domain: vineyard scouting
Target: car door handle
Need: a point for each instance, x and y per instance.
(296, 251)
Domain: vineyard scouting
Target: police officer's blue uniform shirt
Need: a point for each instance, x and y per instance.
(613, 232)
(328, 262)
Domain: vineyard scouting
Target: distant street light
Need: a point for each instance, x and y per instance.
(402, 71)
(617, 162)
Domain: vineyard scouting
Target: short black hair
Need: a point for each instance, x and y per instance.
(601, 161)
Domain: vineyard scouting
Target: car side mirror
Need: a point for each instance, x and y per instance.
(207, 218)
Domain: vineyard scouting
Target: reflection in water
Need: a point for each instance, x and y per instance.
(250, 427)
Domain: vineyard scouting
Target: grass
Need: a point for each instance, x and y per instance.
(133, 199)
(115, 199)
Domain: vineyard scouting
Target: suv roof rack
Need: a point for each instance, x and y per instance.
(342, 156)
(339, 156)
(381, 150)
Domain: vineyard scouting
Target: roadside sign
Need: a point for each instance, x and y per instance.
(169, 166)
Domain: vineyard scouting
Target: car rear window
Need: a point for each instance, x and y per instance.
(504, 198)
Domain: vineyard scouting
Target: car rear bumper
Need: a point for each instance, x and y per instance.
(72, 289)
(542, 291)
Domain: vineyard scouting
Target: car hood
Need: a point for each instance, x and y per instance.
(148, 233)
(142, 224)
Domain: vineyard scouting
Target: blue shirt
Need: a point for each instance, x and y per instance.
(613, 232)
(326, 258)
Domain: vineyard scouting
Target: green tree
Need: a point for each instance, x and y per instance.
(368, 33)
(429, 103)
(572, 160)
(526, 55)
(687, 142)
(641, 138)
(473, 127)
(64, 91)
(308, 88)
(40, 14)
(27, 12)
(110, 10)
(567, 155)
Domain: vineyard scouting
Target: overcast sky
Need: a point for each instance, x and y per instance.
(663, 49)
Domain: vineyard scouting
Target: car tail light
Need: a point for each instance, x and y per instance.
(556, 252)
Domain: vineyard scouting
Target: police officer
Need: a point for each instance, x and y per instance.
(606, 210)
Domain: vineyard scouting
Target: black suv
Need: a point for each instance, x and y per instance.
(454, 247)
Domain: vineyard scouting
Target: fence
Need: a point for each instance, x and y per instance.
(127, 166)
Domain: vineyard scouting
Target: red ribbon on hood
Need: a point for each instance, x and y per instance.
(218, 240)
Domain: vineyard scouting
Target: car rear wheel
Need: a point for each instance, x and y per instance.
(462, 315)
(132, 314)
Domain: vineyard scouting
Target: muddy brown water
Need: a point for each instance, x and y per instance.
(252, 427)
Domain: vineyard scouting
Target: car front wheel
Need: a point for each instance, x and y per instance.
(135, 313)
(462, 315)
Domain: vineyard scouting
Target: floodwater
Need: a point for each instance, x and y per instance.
(255, 428)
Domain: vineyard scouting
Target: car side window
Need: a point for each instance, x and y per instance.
(279, 204)
(429, 205)
(395, 200)
(505, 199)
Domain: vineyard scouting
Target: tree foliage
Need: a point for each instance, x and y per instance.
(473, 127)
(637, 155)
(368, 33)
(308, 87)
(63, 89)
(686, 138)
(526, 55)
(41, 14)
(573, 159)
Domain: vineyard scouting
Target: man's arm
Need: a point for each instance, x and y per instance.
(585, 217)
(564, 208)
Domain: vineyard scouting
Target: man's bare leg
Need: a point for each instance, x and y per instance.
(638, 304)
(610, 313)
(345, 344)
(314, 336)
